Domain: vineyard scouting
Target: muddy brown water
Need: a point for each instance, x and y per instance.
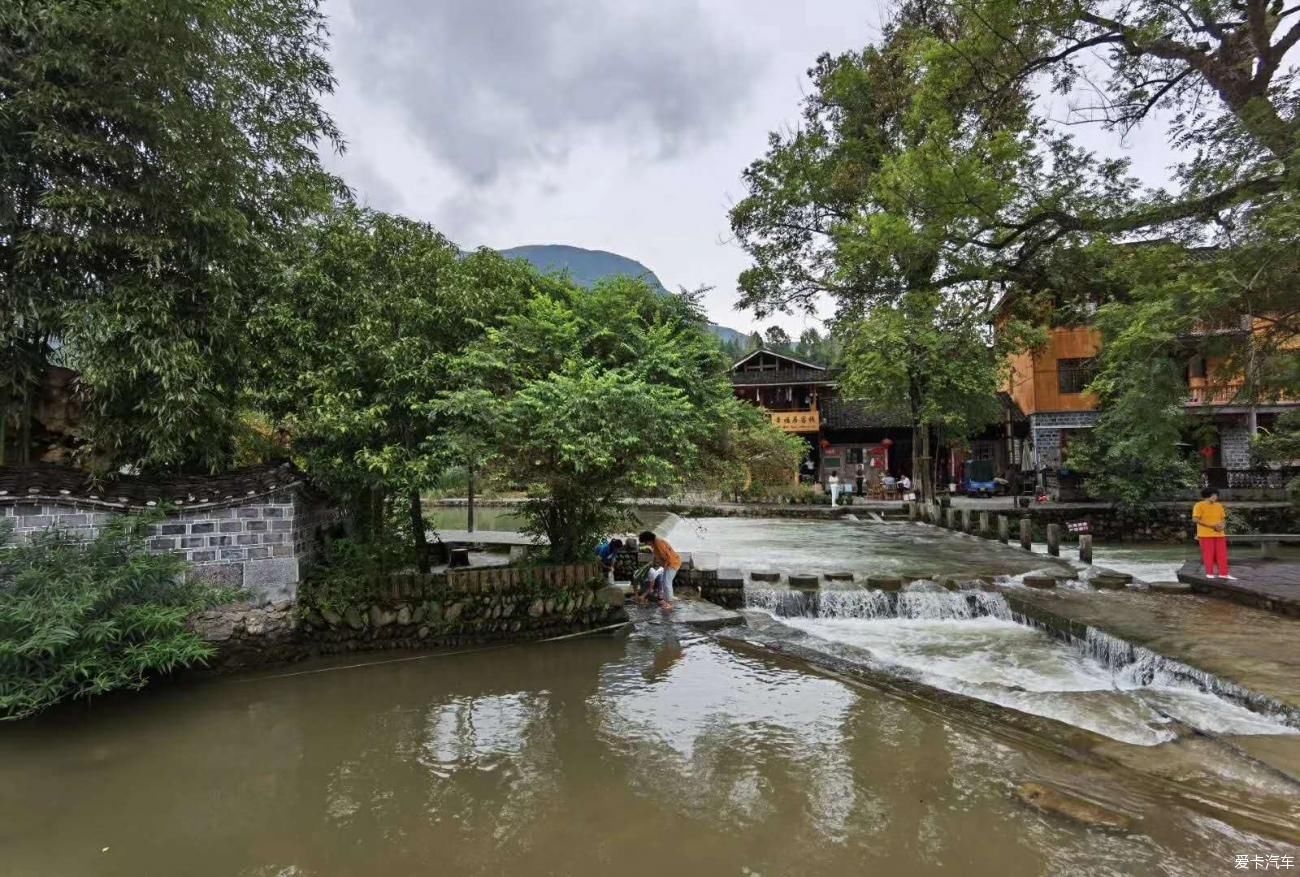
(663, 753)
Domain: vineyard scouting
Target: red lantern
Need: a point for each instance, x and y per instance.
(826, 445)
(1207, 453)
(887, 442)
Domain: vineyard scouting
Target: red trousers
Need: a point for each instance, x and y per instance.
(1214, 552)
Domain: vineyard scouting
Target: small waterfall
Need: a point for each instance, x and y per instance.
(1136, 667)
(945, 606)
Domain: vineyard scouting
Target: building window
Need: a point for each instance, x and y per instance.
(1074, 375)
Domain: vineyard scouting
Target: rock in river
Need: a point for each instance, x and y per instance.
(1053, 800)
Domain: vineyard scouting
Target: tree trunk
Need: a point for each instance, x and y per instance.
(417, 532)
(469, 505)
(926, 469)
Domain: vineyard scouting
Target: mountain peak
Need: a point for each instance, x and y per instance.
(585, 266)
(588, 267)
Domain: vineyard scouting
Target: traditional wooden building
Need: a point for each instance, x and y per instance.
(803, 398)
(1049, 386)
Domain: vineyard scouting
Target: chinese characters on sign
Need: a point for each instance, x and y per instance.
(1243, 862)
(796, 421)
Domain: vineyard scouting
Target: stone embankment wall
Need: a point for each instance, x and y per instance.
(449, 609)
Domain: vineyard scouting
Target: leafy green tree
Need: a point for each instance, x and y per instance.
(359, 346)
(590, 396)
(776, 338)
(1281, 445)
(928, 359)
(755, 456)
(827, 215)
(79, 619)
(923, 164)
(152, 158)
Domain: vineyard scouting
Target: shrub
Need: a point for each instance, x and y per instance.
(84, 618)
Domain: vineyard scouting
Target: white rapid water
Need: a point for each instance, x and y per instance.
(970, 643)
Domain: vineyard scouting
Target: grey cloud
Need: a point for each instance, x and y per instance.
(491, 85)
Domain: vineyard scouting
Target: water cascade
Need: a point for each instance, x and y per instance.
(972, 642)
(944, 606)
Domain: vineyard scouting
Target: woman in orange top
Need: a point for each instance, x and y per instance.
(1212, 530)
(665, 557)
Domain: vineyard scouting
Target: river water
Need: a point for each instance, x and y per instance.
(662, 753)
(891, 548)
(665, 752)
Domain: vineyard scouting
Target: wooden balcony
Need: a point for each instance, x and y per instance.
(1202, 392)
(796, 420)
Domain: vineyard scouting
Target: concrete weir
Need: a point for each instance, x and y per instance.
(1111, 666)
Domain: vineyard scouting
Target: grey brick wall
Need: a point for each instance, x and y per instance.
(1234, 446)
(262, 544)
(1046, 430)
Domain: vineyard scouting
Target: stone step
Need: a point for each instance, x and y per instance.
(805, 582)
(839, 576)
(730, 578)
(1033, 581)
(765, 575)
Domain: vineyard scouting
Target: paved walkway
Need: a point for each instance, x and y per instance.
(693, 612)
(1266, 584)
(485, 537)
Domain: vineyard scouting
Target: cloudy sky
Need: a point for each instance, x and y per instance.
(618, 125)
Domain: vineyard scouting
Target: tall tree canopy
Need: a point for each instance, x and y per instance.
(152, 158)
(589, 396)
(931, 163)
(829, 214)
(359, 346)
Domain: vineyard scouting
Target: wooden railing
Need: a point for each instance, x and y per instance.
(1202, 392)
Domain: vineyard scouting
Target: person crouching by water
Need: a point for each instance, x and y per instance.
(663, 556)
(1212, 531)
(607, 552)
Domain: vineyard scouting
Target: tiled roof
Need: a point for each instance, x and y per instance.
(847, 414)
(44, 482)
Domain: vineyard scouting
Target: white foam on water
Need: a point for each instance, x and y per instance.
(968, 643)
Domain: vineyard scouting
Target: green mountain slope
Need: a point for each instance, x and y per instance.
(589, 266)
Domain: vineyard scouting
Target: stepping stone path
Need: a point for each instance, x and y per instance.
(884, 583)
(804, 582)
(1111, 581)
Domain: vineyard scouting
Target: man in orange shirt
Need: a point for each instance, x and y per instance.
(1212, 530)
(664, 557)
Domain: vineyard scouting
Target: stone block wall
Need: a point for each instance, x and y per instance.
(449, 609)
(1234, 446)
(1046, 431)
(257, 530)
